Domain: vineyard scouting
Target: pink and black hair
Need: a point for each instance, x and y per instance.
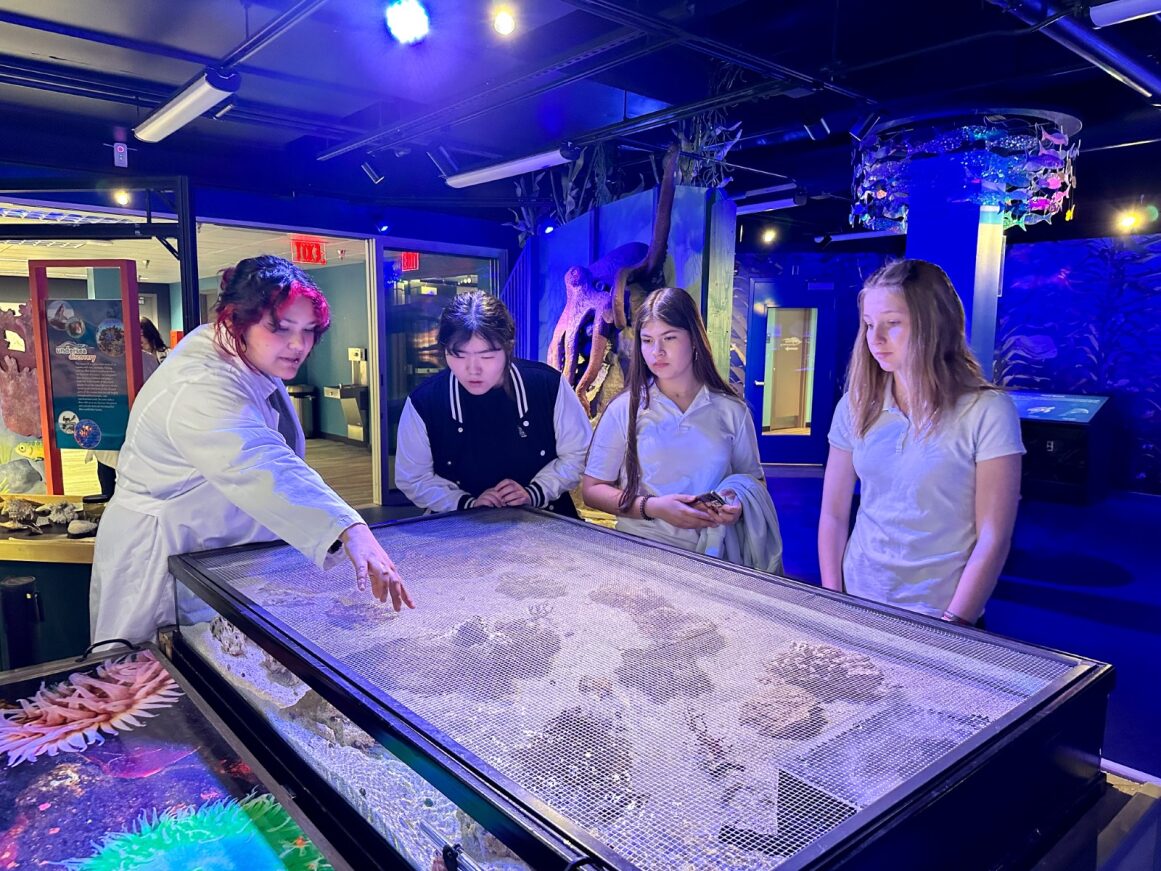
(261, 286)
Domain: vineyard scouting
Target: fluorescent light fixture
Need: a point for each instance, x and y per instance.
(773, 189)
(507, 169)
(1120, 11)
(372, 172)
(827, 238)
(207, 90)
(789, 200)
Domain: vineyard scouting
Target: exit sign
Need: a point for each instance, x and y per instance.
(308, 249)
(408, 261)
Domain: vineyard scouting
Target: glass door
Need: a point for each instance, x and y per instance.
(416, 288)
(790, 372)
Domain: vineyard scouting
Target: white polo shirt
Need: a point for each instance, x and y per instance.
(680, 452)
(915, 527)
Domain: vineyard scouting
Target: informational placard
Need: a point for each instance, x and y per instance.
(86, 350)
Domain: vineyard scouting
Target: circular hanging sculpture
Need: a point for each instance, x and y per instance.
(1020, 160)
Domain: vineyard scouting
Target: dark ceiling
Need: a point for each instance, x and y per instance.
(332, 90)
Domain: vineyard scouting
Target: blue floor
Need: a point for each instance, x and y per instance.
(1082, 579)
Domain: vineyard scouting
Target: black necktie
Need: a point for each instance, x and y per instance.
(285, 419)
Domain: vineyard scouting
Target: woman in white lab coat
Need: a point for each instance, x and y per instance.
(213, 457)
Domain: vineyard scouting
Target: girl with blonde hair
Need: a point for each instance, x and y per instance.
(935, 448)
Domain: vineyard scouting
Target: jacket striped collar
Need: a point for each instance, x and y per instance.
(456, 404)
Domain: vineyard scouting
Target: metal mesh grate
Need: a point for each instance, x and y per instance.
(690, 715)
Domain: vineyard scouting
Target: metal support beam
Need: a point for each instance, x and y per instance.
(269, 33)
(60, 79)
(705, 45)
(522, 87)
(187, 245)
(55, 232)
(677, 113)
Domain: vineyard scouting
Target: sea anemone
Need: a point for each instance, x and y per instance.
(72, 714)
(256, 833)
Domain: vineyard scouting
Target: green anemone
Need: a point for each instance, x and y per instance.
(255, 834)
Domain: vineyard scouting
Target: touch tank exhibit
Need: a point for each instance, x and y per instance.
(116, 764)
(567, 696)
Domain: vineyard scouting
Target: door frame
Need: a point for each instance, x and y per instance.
(791, 292)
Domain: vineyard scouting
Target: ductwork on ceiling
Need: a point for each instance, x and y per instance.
(1123, 64)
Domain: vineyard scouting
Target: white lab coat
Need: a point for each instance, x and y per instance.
(203, 466)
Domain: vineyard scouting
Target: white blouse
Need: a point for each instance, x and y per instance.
(680, 452)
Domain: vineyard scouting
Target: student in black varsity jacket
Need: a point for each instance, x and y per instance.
(490, 430)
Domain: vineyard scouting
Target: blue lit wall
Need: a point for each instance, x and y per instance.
(1080, 316)
(1084, 316)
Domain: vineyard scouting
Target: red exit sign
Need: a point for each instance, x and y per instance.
(408, 261)
(308, 249)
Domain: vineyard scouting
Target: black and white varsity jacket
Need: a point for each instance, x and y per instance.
(453, 446)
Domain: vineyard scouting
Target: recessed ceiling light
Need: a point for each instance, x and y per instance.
(407, 20)
(504, 21)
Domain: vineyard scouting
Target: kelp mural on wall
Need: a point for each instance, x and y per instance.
(1084, 317)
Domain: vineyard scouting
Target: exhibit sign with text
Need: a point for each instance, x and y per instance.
(86, 351)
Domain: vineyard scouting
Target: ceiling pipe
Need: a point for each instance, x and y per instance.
(1139, 74)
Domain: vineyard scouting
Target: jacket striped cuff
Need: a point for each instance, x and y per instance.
(536, 494)
(466, 502)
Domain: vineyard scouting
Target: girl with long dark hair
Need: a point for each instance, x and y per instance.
(213, 457)
(935, 447)
(490, 430)
(679, 433)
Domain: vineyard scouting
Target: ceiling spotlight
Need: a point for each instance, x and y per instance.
(121, 197)
(1127, 221)
(372, 173)
(407, 20)
(504, 21)
(769, 235)
(549, 228)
